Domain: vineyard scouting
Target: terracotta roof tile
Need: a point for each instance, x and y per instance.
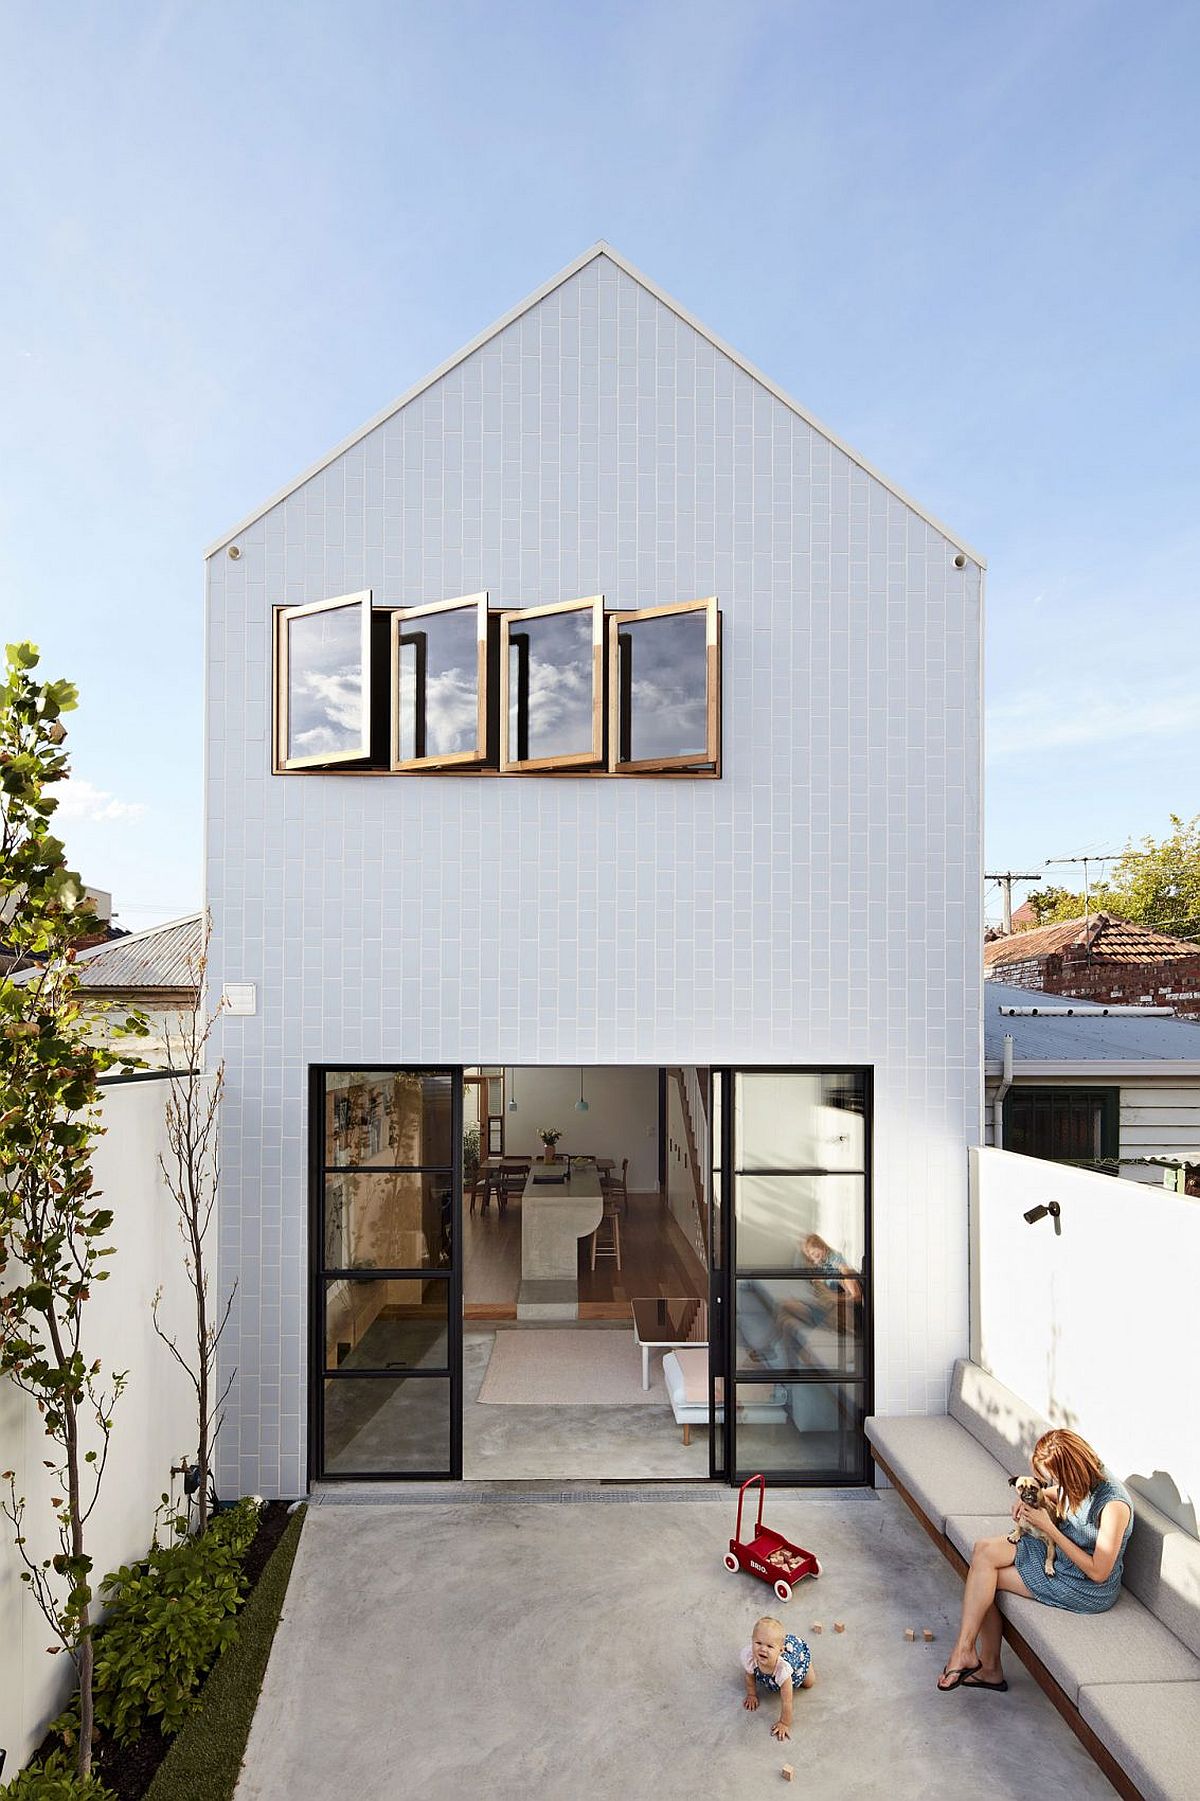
(1112, 941)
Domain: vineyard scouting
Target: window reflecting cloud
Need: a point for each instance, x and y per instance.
(560, 693)
(438, 690)
(325, 683)
(668, 687)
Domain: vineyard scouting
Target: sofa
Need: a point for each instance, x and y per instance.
(1127, 1681)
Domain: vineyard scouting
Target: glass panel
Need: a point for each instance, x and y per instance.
(664, 688)
(811, 1430)
(395, 1322)
(715, 1250)
(813, 1224)
(387, 1424)
(551, 670)
(782, 1323)
(438, 684)
(801, 1122)
(398, 1220)
(325, 698)
(385, 1117)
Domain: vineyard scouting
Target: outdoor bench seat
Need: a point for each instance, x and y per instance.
(1153, 1730)
(1127, 1681)
(941, 1466)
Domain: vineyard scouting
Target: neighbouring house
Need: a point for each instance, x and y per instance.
(1102, 958)
(1114, 1090)
(156, 972)
(570, 728)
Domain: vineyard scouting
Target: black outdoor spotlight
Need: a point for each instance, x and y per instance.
(1050, 1208)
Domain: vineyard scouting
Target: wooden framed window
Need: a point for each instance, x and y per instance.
(439, 684)
(323, 698)
(664, 688)
(552, 686)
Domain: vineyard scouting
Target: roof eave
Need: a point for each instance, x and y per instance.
(532, 300)
(1108, 1066)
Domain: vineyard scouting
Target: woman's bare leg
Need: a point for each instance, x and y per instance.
(989, 1559)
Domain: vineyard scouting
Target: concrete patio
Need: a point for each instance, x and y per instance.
(599, 1632)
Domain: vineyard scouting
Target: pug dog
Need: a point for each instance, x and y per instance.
(1031, 1492)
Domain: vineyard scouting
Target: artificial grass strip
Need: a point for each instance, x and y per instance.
(205, 1760)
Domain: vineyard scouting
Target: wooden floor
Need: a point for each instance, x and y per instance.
(655, 1259)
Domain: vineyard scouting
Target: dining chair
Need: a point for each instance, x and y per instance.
(511, 1181)
(616, 1185)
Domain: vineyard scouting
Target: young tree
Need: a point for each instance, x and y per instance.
(192, 1175)
(1157, 885)
(52, 1230)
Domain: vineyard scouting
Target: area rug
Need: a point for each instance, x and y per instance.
(581, 1368)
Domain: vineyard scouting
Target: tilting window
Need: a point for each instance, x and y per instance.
(327, 688)
(551, 661)
(664, 688)
(439, 684)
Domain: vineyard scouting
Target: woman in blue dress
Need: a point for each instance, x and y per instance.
(1089, 1539)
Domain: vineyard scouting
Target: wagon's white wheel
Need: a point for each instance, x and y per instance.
(783, 1590)
(816, 1569)
(731, 1562)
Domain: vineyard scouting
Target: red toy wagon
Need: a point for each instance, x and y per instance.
(767, 1555)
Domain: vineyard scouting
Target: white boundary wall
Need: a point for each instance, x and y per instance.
(1096, 1327)
(155, 1419)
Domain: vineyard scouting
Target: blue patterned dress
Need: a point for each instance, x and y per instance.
(1069, 1587)
(795, 1653)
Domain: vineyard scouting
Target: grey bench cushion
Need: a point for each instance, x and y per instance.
(1125, 1644)
(940, 1465)
(995, 1417)
(1153, 1731)
(1162, 1568)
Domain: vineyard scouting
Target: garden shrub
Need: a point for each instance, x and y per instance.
(169, 1619)
(56, 1779)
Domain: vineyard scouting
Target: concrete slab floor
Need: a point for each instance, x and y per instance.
(527, 1647)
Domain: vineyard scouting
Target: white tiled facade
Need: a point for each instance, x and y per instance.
(818, 904)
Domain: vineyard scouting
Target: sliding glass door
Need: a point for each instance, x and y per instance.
(792, 1199)
(386, 1315)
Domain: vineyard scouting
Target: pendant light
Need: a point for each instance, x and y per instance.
(581, 1105)
(512, 1099)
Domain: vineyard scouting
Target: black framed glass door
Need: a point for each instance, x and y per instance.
(792, 1282)
(386, 1283)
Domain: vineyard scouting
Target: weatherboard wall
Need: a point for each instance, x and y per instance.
(818, 904)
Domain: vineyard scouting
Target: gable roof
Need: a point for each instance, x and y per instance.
(1111, 940)
(598, 249)
(165, 956)
(1086, 1036)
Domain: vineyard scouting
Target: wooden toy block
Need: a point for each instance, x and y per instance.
(839, 1625)
(817, 1627)
(909, 1634)
(787, 1772)
(927, 1635)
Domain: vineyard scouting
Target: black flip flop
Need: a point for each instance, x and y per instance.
(960, 1678)
(964, 1681)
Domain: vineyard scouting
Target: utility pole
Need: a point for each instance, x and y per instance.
(1006, 880)
(1107, 857)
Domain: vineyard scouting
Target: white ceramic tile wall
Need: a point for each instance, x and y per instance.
(820, 902)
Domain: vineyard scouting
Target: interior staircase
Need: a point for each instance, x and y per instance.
(693, 1104)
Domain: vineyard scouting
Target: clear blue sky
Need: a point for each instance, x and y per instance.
(963, 236)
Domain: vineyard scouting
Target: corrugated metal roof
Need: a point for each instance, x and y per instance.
(1112, 941)
(1083, 1038)
(167, 956)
